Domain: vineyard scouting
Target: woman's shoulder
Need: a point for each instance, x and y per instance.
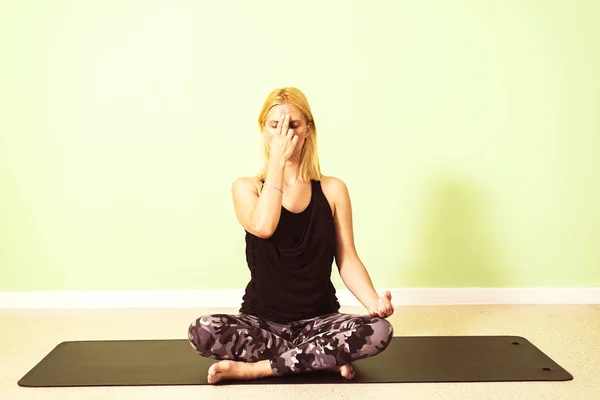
(246, 182)
(333, 187)
(332, 183)
(335, 192)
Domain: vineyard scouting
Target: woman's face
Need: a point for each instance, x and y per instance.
(297, 123)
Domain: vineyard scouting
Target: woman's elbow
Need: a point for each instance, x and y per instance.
(263, 231)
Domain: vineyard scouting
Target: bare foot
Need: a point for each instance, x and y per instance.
(227, 370)
(345, 370)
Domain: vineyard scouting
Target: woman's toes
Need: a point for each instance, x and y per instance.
(214, 372)
(347, 371)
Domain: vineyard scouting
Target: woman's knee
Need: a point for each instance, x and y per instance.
(203, 334)
(383, 331)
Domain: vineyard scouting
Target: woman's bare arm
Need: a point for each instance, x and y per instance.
(258, 210)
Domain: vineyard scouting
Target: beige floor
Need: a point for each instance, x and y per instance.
(568, 334)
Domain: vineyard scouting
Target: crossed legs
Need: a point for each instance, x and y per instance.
(249, 347)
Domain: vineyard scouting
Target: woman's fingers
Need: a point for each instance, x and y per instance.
(386, 304)
(291, 146)
(383, 308)
(279, 125)
(286, 124)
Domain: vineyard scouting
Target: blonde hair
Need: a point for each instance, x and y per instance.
(310, 168)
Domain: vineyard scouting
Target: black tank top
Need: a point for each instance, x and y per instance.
(291, 270)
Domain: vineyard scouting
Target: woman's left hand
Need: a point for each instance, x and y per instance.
(382, 307)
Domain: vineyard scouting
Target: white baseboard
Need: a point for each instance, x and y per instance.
(231, 298)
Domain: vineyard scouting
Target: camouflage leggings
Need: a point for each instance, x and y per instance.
(306, 345)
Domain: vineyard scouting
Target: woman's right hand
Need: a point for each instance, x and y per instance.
(283, 141)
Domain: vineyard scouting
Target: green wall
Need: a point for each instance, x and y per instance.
(468, 133)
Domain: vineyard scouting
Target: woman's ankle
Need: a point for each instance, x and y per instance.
(262, 368)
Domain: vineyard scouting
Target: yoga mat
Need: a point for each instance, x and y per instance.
(406, 359)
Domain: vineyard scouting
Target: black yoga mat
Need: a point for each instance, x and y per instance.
(407, 359)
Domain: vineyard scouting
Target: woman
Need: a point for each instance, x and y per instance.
(297, 221)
